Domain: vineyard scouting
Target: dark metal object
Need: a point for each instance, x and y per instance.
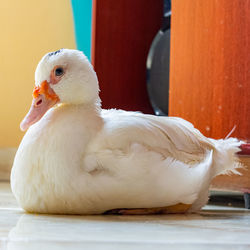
(247, 200)
(158, 65)
(226, 199)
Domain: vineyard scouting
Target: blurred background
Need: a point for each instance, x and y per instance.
(180, 58)
(29, 29)
(202, 75)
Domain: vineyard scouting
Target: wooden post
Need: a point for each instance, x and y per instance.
(210, 65)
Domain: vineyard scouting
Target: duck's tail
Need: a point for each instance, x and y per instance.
(222, 159)
(225, 160)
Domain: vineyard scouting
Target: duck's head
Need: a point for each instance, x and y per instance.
(64, 76)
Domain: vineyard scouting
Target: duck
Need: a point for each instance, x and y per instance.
(77, 158)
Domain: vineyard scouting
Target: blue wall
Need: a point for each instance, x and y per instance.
(82, 14)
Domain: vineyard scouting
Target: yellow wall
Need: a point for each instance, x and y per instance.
(29, 29)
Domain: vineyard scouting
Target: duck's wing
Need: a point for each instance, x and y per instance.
(169, 136)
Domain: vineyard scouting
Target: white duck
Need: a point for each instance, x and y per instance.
(77, 158)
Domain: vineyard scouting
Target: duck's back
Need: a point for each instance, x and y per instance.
(148, 161)
(145, 161)
(169, 136)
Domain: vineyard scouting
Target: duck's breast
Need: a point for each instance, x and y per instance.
(49, 158)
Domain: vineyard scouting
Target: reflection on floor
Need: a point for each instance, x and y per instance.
(215, 227)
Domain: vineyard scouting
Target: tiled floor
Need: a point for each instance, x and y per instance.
(214, 228)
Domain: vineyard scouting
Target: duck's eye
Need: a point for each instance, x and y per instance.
(59, 71)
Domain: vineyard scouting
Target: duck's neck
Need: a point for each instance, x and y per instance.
(94, 106)
(79, 122)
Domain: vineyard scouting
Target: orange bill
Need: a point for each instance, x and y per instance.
(44, 98)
